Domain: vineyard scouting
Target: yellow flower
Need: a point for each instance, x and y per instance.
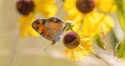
(89, 19)
(78, 46)
(29, 9)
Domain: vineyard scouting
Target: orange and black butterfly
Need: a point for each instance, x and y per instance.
(51, 28)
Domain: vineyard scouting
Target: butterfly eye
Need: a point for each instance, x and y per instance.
(71, 40)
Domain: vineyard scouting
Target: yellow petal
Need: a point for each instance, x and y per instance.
(77, 53)
(69, 53)
(38, 2)
(93, 21)
(46, 7)
(49, 11)
(70, 7)
(76, 18)
(87, 44)
(25, 26)
(106, 5)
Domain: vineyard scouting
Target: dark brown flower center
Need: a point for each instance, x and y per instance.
(71, 40)
(25, 6)
(85, 6)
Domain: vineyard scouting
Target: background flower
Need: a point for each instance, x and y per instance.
(90, 21)
(45, 7)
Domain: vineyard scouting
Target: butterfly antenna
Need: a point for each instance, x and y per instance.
(48, 46)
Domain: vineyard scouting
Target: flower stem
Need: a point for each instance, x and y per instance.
(100, 58)
(121, 13)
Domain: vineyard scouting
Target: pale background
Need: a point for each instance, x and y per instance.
(15, 51)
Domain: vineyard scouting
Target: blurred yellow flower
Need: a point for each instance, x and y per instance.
(84, 14)
(29, 10)
(78, 46)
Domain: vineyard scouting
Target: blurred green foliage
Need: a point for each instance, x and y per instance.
(121, 15)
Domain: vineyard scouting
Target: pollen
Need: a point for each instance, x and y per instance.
(71, 40)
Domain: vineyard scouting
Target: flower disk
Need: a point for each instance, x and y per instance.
(25, 7)
(85, 6)
(71, 40)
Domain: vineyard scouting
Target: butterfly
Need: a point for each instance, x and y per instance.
(51, 28)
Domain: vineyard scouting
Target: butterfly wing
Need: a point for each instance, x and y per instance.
(50, 28)
(39, 26)
(55, 27)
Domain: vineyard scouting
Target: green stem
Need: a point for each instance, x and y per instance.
(121, 13)
(99, 42)
(114, 38)
(100, 58)
(121, 16)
